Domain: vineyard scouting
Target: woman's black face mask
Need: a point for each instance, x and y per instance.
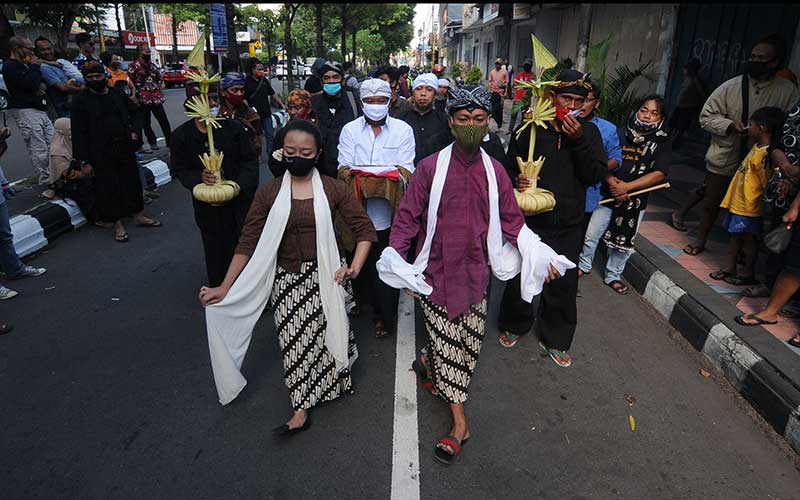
(299, 166)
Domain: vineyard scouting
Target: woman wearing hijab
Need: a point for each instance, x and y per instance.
(299, 108)
(60, 152)
(646, 155)
(288, 251)
(103, 143)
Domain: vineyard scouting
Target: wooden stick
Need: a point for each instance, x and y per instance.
(636, 193)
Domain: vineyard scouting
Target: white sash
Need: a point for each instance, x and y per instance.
(230, 322)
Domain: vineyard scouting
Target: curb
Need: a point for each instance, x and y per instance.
(39, 226)
(762, 380)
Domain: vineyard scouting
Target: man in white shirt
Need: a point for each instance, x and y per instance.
(377, 144)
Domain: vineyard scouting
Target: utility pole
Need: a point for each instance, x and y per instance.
(146, 29)
(584, 33)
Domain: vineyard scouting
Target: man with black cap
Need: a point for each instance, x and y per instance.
(334, 108)
(460, 204)
(220, 225)
(574, 159)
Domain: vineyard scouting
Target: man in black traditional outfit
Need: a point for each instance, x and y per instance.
(103, 141)
(220, 225)
(574, 159)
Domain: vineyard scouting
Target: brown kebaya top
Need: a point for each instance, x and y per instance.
(299, 242)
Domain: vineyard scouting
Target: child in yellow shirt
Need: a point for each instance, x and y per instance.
(743, 199)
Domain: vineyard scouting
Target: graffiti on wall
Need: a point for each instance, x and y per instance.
(721, 58)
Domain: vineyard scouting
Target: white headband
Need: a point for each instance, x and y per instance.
(428, 79)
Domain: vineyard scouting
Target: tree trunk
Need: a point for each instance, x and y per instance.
(344, 32)
(584, 32)
(353, 39)
(318, 14)
(287, 44)
(233, 49)
(174, 37)
(119, 24)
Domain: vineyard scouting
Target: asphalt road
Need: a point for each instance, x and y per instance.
(108, 393)
(16, 163)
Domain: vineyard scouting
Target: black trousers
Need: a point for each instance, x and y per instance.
(497, 108)
(219, 229)
(371, 290)
(143, 122)
(557, 314)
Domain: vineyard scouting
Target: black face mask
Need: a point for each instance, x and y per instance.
(97, 85)
(758, 70)
(299, 166)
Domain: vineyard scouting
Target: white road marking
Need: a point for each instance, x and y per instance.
(405, 449)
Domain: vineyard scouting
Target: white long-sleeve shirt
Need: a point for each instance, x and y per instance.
(394, 146)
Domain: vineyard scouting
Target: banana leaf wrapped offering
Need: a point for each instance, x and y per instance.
(535, 200)
(223, 190)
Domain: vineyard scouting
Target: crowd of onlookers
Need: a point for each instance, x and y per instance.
(84, 121)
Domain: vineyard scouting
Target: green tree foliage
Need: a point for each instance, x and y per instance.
(381, 29)
(474, 75)
(59, 17)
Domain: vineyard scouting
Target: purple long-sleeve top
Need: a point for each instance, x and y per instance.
(458, 265)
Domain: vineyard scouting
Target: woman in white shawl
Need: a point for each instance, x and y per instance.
(288, 247)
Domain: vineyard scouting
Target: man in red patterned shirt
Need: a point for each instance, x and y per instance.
(147, 79)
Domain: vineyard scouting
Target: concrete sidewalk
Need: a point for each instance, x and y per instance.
(756, 361)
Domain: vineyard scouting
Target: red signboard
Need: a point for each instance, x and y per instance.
(133, 39)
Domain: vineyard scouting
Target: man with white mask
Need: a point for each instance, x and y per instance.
(377, 152)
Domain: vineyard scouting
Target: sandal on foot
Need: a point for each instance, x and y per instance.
(381, 331)
(419, 368)
(741, 281)
(693, 249)
(507, 339)
(677, 225)
(451, 441)
(152, 223)
(619, 287)
(561, 358)
(794, 342)
(122, 238)
(721, 275)
(758, 320)
(5, 329)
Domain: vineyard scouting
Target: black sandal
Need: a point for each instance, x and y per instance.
(740, 281)
(381, 331)
(694, 250)
(794, 342)
(5, 329)
(619, 287)
(721, 275)
(758, 320)
(677, 225)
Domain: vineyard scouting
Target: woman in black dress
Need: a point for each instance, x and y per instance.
(102, 140)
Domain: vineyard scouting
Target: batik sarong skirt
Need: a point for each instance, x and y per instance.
(309, 368)
(453, 348)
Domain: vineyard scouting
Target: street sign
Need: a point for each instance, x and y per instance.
(133, 39)
(242, 36)
(219, 30)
